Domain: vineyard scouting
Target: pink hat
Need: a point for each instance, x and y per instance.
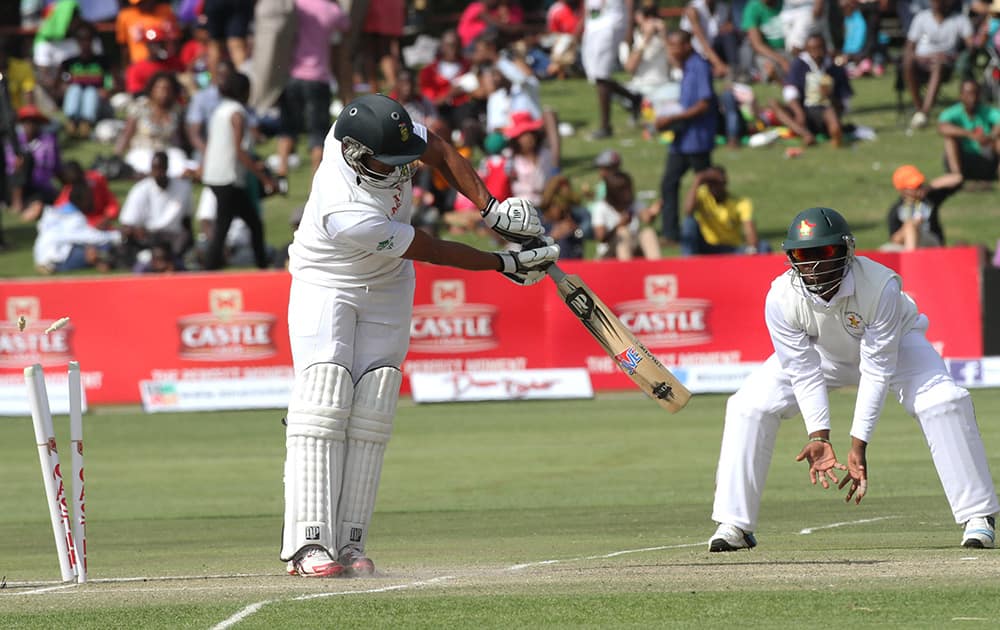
(521, 122)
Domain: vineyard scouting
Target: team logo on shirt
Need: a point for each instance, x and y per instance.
(854, 324)
(386, 244)
(806, 228)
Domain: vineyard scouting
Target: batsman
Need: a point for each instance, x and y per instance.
(836, 320)
(349, 312)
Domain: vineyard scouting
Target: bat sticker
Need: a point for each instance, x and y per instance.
(663, 391)
(629, 360)
(580, 303)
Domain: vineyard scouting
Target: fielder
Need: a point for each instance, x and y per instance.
(836, 319)
(349, 313)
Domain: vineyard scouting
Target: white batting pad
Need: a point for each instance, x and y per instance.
(314, 456)
(957, 450)
(368, 431)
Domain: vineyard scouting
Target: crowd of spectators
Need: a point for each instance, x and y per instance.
(182, 92)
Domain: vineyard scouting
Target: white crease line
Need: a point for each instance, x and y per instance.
(46, 589)
(161, 578)
(241, 615)
(253, 608)
(384, 589)
(810, 530)
(613, 554)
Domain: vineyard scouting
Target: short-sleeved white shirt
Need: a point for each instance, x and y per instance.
(932, 37)
(352, 235)
(157, 209)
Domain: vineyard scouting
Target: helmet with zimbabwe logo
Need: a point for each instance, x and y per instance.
(820, 248)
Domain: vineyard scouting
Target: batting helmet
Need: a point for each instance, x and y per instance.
(377, 126)
(820, 247)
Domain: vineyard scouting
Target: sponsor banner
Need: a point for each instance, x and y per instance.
(503, 385)
(690, 312)
(14, 393)
(714, 379)
(216, 394)
(970, 373)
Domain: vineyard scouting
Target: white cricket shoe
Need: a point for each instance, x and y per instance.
(919, 120)
(731, 538)
(355, 562)
(980, 533)
(314, 561)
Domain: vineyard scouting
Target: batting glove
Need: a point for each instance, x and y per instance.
(514, 219)
(528, 266)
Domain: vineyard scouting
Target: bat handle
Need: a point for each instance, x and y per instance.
(553, 270)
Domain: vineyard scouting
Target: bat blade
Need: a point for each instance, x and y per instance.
(631, 355)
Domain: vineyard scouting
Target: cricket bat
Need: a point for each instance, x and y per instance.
(618, 341)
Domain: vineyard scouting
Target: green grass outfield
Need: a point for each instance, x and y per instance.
(496, 515)
(855, 180)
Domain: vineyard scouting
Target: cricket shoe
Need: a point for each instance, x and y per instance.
(355, 562)
(731, 538)
(314, 561)
(980, 533)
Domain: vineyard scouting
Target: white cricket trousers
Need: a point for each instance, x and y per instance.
(357, 328)
(925, 389)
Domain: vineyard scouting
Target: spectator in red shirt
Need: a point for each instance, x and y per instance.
(564, 23)
(162, 46)
(99, 204)
(439, 81)
(563, 17)
(479, 18)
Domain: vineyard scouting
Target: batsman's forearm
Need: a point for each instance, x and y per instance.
(462, 177)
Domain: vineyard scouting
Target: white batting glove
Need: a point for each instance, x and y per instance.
(514, 219)
(528, 266)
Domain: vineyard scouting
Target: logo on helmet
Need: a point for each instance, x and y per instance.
(404, 132)
(806, 228)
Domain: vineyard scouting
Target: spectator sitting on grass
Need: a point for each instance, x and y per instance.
(971, 131)
(87, 79)
(564, 219)
(716, 222)
(816, 93)
(158, 209)
(915, 217)
(162, 58)
(92, 195)
(621, 229)
(154, 124)
(932, 46)
(65, 241)
(32, 165)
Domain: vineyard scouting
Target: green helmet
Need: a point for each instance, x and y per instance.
(816, 227)
(820, 248)
(378, 126)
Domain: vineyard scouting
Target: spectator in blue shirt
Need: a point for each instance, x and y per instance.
(694, 126)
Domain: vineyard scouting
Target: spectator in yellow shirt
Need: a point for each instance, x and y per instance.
(18, 76)
(717, 222)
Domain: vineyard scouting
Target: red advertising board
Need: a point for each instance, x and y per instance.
(704, 310)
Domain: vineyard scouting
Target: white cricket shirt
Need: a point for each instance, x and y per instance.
(352, 235)
(859, 330)
(157, 209)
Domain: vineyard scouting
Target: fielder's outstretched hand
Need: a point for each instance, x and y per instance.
(822, 462)
(514, 219)
(528, 266)
(857, 472)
